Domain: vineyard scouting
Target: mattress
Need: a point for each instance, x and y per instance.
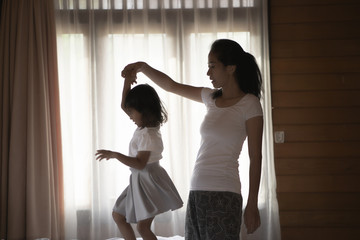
(158, 237)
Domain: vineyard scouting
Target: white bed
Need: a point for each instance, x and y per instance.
(158, 237)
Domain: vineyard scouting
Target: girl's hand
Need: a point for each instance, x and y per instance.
(105, 154)
(252, 218)
(130, 80)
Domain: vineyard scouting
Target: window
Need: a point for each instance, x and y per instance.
(96, 39)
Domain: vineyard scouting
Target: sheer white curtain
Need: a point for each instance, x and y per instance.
(96, 39)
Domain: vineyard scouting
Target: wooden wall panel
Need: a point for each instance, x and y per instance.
(317, 166)
(301, 233)
(299, 116)
(321, 81)
(315, 80)
(318, 184)
(316, 65)
(320, 133)
(311, 13)
(339, 98)
(315, 31)
(321, 219)
(318, 150)
(319, 201)
(296, 3)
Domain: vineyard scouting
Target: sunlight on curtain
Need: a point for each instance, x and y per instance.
(96, 39)
(75, 103)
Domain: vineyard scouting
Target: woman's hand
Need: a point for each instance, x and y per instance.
(105, 154)
(130, 71)
(251, 218)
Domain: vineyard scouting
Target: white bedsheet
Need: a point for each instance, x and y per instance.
(158, 237)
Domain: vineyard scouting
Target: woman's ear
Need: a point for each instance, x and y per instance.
(231, 69)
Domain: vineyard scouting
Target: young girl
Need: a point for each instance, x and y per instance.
(150, 191)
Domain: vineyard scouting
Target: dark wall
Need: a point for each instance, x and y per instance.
(315, 74)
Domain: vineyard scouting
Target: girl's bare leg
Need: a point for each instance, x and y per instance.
(144, 228)
(124, 227)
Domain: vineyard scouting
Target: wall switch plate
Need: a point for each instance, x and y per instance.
(279, 136)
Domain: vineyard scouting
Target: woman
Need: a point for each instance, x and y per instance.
(233, 113)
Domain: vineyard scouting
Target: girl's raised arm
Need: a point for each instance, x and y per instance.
(163, 80)
(127, 86)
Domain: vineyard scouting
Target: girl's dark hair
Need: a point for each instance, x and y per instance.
(247, 73)
(144, 99)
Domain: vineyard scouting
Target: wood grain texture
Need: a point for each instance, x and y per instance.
(315, 81)
(318, 201)
(317, 166)
(333, 233)
(320, 133)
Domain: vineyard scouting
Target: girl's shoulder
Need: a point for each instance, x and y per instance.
(150, 130)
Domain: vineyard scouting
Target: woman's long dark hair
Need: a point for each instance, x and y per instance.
(144, 99)
(247, 73)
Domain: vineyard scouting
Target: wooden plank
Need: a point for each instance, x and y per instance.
(320, 219)
(317, 166)
(312, 233)
(306, 82)
(346, 98)
(315, 48)
(310, 2)
(318, 184)
(314, 13)
(318, 201)
(320, 133)
(286, 116)
(317, 150)
(316, 65)
(307, 31)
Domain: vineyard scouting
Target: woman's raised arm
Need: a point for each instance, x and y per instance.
(162, 80)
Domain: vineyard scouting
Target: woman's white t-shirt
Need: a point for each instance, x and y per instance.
(223, 132)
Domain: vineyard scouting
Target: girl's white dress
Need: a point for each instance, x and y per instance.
(151, 190)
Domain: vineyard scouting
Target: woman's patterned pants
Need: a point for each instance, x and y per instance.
(213, 216)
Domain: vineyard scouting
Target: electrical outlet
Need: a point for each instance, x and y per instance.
(279, 137)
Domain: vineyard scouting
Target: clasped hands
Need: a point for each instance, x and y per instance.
(130, 71)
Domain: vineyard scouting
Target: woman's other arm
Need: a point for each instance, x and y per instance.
(254, 128)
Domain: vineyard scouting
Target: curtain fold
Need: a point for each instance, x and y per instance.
(96, 39)
(31, 169)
